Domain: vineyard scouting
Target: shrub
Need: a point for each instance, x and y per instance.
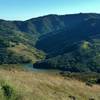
(98, 81)
(72, 97)
(9, 92)
(89, 84)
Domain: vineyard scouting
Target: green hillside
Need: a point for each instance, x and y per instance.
(67, 42)
(83, 56)
(17, 47)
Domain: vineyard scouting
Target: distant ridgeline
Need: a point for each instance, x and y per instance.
(69, 42)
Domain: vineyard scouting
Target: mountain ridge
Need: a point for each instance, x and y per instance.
(55, 35)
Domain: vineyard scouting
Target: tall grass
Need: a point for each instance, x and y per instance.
(22, 85)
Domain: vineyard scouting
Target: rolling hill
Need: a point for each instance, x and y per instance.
(24, 85)
(75, 48)
(69, 42)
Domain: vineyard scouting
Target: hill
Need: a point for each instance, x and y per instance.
(74, 48)
(79, 57)
(22, 85)
(16, 46)
(78, 27)
(69, 42)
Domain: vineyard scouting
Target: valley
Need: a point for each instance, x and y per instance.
(52, 57)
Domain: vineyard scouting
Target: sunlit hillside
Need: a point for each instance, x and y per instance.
(25, 85)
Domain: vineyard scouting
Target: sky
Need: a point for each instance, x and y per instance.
(26, 9)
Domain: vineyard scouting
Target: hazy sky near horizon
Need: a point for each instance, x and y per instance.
(25, 9)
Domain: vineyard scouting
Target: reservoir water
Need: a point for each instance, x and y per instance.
(31, 68)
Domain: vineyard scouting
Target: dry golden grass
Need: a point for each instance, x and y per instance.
(43, 86)
(27, 51)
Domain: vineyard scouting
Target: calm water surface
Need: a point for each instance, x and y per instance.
(31, 68)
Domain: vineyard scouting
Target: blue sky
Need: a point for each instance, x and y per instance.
(25, 9)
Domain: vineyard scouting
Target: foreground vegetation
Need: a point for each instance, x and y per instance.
(18, 84)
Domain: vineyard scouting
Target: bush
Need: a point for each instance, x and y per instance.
(9, 93)
(98, 81)
(89, 84)
(72, 97)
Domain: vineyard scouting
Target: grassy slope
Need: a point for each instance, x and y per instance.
(17, 44)
(27, 51)
(43, 86)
